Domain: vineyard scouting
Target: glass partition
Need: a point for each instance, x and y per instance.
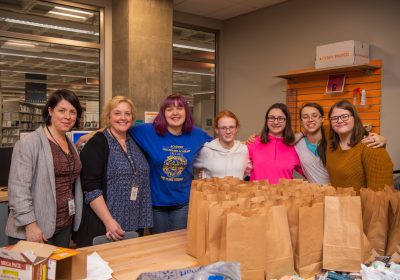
(194, 72)
(45, 46)
(50, 19)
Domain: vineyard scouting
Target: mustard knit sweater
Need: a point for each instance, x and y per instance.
(359, 166)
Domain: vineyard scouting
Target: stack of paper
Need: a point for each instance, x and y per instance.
(97, 268)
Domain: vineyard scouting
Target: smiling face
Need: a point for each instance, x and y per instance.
(175, 116)
(121, 118)
(276, 122)
(342, 121)
(311, 119)
(63, 116)
(226, 130)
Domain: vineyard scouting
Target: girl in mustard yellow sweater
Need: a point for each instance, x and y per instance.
(351, 163)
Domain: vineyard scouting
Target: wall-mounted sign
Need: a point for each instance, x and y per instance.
(149, 116)
(335, 83)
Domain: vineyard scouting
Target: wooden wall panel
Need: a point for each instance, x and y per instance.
(308, 86)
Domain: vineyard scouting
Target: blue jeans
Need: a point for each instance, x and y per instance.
(169, 218)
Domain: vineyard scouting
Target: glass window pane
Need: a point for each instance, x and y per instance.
(194, 73)
(189, 43)
(31, 70)
(196, 81)
(49, 19)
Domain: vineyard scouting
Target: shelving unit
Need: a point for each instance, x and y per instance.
(19, 117)
(309, 85)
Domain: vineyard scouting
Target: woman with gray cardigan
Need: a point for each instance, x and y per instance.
(44, 168)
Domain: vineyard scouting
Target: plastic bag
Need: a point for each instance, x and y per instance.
(215, 271)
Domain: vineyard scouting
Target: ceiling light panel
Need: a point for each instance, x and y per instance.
(67, 15)
(89, 14)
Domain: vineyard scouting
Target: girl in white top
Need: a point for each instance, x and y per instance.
(311, 148)
(224, 156)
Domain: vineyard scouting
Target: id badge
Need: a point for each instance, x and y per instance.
(71, 207)
(134, 191)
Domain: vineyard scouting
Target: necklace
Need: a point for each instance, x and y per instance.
(127, 153)
(55, 141)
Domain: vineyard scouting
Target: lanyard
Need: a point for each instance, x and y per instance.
(127, 154)
(70, 171)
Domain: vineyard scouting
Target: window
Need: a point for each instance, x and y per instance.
(194, 72)
(45, 46)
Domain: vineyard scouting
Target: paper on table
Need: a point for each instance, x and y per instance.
(97, 268)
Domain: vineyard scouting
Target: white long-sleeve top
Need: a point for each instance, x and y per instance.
(216, 161)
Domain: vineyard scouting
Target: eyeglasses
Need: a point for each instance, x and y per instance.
(273, 119)
(310, 117)
(227, 128)
(344, 117)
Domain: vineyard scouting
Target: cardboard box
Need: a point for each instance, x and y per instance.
(29, 260)
(342, 54)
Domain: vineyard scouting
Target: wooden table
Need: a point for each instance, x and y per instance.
(3, 195)
(129, 258)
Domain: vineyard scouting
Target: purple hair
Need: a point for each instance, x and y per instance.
(160, 123)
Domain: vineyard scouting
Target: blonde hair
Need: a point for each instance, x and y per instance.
(105, 115)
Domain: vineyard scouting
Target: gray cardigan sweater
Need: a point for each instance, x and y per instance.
(31, 187)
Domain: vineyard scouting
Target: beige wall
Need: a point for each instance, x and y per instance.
(283, 37)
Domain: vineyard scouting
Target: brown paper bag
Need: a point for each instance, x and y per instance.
(195, 196)
(308, 252)
(393, 240)
(279, 254)
(216, 218)
(375, 218)
(343, 235)
(202, 227)
(292, 211)
(245, 242)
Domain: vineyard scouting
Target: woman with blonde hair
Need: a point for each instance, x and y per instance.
(224, 156)
(171, 144)
(115, 178)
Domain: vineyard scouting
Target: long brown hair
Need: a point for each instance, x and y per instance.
(321, 148)
(358, 132)
(288, 134)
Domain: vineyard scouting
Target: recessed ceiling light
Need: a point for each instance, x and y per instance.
(10, 53)
(202, 92)
(20, 44)
(189, 85)
(192, 47)
(67, 15)
(49, 26)
(193, 72)
(16, 54)
(74, 11)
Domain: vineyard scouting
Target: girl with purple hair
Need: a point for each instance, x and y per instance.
(171, 145)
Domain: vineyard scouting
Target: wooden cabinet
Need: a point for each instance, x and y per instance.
(309, 85)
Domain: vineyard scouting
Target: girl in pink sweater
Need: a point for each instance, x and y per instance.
(271, 154)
